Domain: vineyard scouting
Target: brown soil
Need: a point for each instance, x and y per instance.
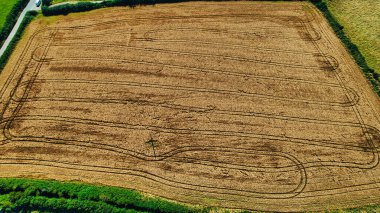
(246, 105)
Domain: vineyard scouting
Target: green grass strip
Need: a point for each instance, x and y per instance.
(370, 74)
(26, 195)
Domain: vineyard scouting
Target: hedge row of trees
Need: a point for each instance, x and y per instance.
(22, 203)
(371, 75)
(11, 20)
(28, 194)
(46, 2)
(7, 53)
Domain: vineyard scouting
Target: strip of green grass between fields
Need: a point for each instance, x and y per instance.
(371, 75)
(361, 21)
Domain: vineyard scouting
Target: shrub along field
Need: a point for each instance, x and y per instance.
(27, 195)
(361, 21)
(372, 76)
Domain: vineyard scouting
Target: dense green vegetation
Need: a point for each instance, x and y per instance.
(9, 13)
(26, 195)
(372, 76)
(5, 8)
(361, 21)
(43, 195)
(7, 53)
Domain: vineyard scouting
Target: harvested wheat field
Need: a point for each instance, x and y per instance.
(248, 105)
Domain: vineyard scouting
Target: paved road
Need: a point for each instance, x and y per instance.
(31, 6)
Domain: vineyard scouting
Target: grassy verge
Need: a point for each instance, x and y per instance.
(372, 76)
(10, 10)
(365, 209)
(361, 21)
(7, 53)
(48, 195)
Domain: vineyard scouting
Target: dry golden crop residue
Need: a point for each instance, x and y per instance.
(246, 105)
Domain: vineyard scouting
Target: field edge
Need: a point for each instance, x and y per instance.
(33, 194)
(26, 193)
(372, 77)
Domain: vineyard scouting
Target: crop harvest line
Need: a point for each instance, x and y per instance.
(187, 108)
(263, 35)
(162, 180)
(349, 103)
(208, 91)
(195, 69)
(369, 139)
(181, 131)
(224, 57)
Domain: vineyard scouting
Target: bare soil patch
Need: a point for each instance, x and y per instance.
(250, 105)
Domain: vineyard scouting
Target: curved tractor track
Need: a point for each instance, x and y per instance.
(238, 105)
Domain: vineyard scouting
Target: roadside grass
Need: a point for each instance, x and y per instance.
(361, 21)
(5, 8)
(29, 16)
(9, 13)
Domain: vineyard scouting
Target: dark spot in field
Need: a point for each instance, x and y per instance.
(40, 150)
(109, 69)
(69, 108)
